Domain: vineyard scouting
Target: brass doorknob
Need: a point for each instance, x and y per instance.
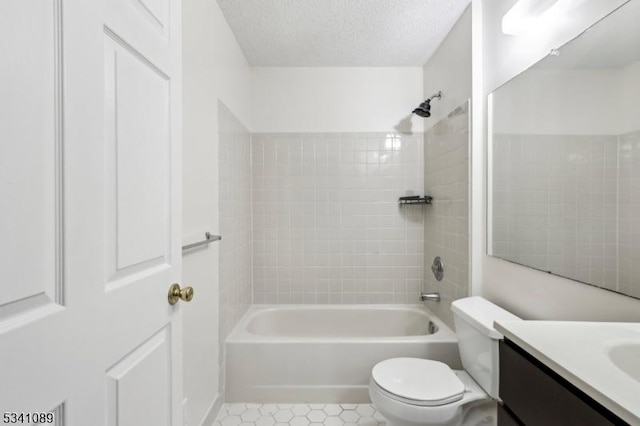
(176, 293)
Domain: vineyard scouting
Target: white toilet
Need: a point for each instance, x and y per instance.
(413, 391)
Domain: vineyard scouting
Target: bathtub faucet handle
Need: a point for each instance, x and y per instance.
(434, 297)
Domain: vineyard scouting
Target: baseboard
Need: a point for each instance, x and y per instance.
(211, 415)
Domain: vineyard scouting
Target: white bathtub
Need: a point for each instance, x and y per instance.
(324, 353)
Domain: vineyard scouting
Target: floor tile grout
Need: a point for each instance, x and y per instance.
(282, 414)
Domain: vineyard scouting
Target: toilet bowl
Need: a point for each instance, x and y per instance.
(443, 400)
(413, 391)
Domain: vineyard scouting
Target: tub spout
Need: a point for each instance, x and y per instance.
(434, 297)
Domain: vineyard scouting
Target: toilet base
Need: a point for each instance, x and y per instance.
(481, 414)
(475, 408)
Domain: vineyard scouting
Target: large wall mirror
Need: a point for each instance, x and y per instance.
(564, 155)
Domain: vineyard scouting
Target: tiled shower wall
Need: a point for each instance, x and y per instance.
(235, 219)
(446, 221)
(629, 214)
(234, 168)
(555, 204)
(569, 204)
(327, 227)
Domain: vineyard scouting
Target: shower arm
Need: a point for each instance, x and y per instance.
(437, 95)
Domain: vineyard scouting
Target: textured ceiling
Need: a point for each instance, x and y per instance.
(317, 33)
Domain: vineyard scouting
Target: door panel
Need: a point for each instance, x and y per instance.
(33, 358)
(141, 24)
(141, 71)
(30, 156)
(90, 176)
(31, 166)
(58, 416)
(137, 116)
(156, 11)
(142, 178)
(139, 385)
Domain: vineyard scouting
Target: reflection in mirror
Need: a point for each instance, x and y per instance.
(565, 159)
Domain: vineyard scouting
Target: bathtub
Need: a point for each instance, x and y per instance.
(324, 353)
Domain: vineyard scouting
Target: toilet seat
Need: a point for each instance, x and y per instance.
(417, 381)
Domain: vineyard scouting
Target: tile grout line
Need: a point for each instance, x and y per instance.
(248, 414)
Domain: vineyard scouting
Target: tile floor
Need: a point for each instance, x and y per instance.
(299, 415)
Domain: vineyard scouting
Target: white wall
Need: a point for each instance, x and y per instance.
(629, 91)
(446, 160)
(449, 70)
(498, 58)
(545, 101)
(304, 100)
(214, 68)
(559, 102)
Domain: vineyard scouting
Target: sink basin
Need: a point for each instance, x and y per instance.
(626, 357)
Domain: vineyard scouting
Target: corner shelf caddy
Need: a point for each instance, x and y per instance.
(415, 199)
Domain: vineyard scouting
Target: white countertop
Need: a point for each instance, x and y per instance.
(577, 351)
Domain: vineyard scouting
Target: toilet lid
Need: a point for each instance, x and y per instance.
(418, 381)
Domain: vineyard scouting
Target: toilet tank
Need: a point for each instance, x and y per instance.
(478, 340)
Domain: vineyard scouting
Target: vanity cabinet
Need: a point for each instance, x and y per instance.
(534, 395)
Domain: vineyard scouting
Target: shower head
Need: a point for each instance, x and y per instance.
(424, 110)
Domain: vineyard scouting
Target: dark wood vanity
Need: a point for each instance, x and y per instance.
(534, 395)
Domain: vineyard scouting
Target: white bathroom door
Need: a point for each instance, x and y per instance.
(90, 176)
